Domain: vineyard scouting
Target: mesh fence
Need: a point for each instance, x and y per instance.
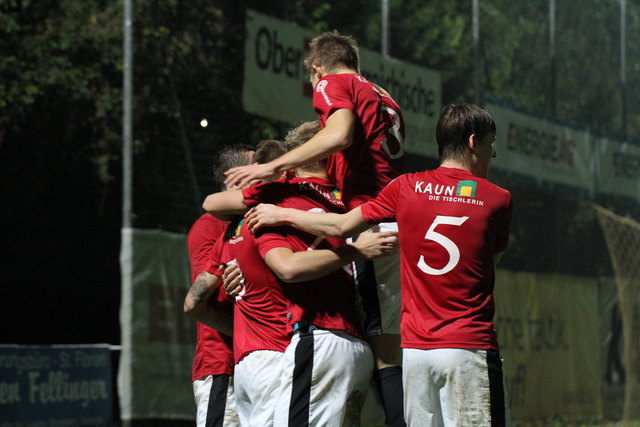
(622, 235)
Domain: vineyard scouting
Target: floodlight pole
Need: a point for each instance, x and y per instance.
(552, 56)
(127, 152)
(475, 24)
(623, 64)
(384, 28)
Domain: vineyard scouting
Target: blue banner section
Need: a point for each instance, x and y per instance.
(44, 386)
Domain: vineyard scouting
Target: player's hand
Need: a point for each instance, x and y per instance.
(243, 176)
(232, 279)
(263, 215)
(375, 244)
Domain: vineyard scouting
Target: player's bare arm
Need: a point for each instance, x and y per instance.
(292, 267)
(335, 136)
(197, 304)
(321, 224)
(225, 204)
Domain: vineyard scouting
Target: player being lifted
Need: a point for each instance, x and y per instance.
(454, 225)
(361, 138)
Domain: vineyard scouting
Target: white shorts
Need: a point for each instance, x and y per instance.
(378, 283)
(325, 379)
(453, 387)
(256, 384)
(215, 401)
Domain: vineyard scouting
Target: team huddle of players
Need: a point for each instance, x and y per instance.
(313, 227)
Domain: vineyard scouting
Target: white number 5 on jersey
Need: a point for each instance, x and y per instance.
(445, 242)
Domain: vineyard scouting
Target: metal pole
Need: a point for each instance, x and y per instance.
(475, 23)
(623, 64)
(384, 27)
(127, 163)
(552, 54)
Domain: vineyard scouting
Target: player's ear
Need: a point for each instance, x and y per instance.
(473, 142)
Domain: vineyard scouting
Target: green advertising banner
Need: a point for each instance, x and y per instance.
(276, 85)
(158, 339)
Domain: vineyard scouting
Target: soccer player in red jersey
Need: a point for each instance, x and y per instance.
(361, 137)
(213, 357)
(454, 226)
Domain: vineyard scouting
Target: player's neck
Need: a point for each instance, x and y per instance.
(456, 164)
(343, 70)
(311, 174)
(470, 167)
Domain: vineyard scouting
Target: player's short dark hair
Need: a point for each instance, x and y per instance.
(267, 150)
(456, 124)
(229, 157)
(301, 134)
(332, 49)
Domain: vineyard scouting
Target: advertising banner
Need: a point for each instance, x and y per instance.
(548, 332)
(276, 85)
(542, 149)
(158, 339)
(618, 168)
(59, 385)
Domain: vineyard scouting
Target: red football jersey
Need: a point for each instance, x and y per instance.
(260, 311)
(376, 155)
(327, 302)
(451, 223)
(214, 351)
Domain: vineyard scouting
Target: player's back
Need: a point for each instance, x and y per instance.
(375, 156)
(451, 224)
(327, 302)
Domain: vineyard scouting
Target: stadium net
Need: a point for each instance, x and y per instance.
(622, 235)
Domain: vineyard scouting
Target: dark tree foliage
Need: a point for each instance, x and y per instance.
(61, 108)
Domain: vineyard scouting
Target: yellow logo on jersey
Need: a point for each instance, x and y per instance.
(466, 188)
(336, 195)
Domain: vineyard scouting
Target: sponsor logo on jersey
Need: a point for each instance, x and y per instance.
(381, 90)
(466, 188)
(320, 88)
(336, 194)
(238, 228)
(464, 192)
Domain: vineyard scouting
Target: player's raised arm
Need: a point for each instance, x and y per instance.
(225, 204)
(335, 136)
(197, 304)
(321, 224)
(292, 267)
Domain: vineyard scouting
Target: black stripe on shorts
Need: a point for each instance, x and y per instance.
(301, 386)
(496, 389)
(368, 289)
(217, 400)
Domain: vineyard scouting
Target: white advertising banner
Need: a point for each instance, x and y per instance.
(542, 149)
(618, 168)
(276, 85)
(158, 339)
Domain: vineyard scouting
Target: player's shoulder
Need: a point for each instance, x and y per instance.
(267, 187)
(206, 222)
(207, 225)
